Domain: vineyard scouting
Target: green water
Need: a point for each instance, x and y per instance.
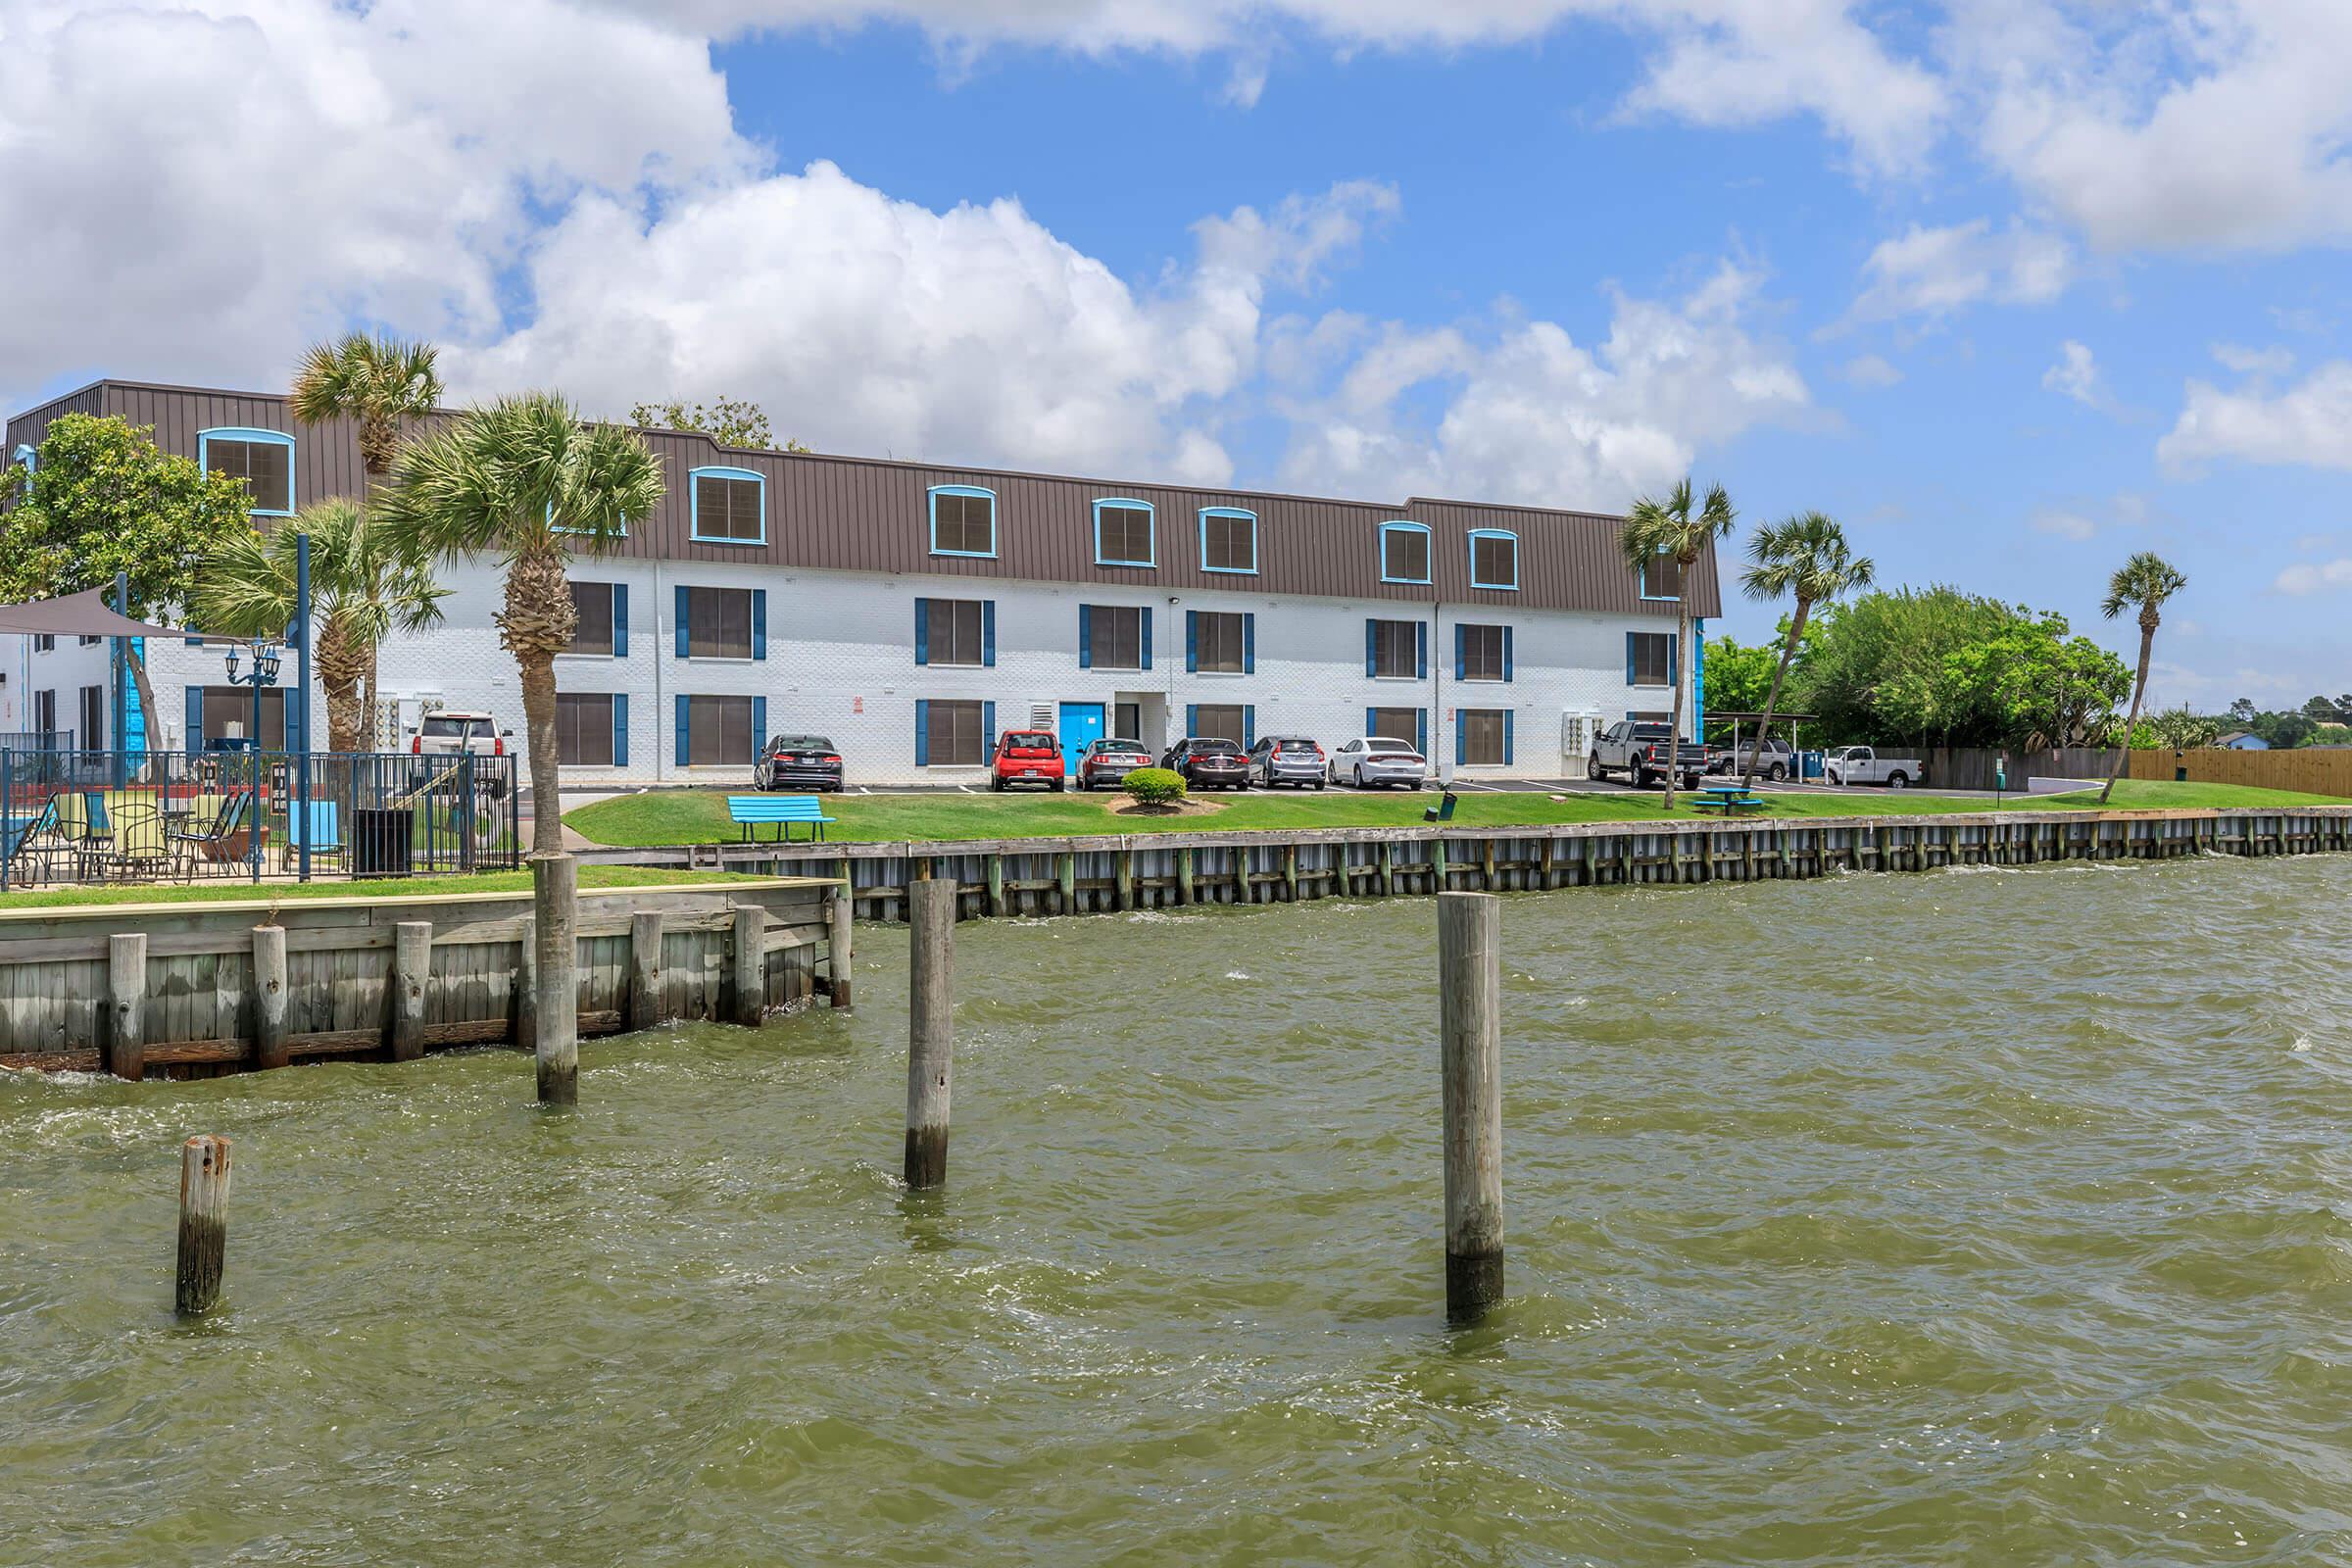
(1973, 1217)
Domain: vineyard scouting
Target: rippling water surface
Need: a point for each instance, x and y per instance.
(1975, 1217)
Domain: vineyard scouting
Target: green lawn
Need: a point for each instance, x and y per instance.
(591, 877)
(700, 817)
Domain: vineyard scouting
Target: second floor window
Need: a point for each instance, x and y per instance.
(598, 628)
(955, 632)
(1482, 652)
(1112, 638)
(1396, 650)
(963, 521)
(1648, 659)
(1221, 642)
(263, 459)
(718, 623)
(1228, 539)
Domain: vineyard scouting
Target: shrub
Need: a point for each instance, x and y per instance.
(1155, 786)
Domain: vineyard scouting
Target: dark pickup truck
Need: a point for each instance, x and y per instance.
(1638, 751)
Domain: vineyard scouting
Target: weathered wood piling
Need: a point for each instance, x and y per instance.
(203, 1223)
(555, 1044)
(1470, 1067)
(930, 1031)
(412, 968)
(126, 1005)
(839, 918)
(270, 996)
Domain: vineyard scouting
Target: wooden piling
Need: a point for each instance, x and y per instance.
(995, 869)
(1184, 876)
(203, 1223)
(748, 994)
(526, 985)
(1066, 882)
(412, 967)
(270, 996)
(1122, 879)
(1470, 995)
(930, 1032)
(554, 900)
(644, 969)
(125, 1004)
(840, 959)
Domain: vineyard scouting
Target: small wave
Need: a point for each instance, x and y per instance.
(2302, 1043)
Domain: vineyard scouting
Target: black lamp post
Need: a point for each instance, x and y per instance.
(266, 655)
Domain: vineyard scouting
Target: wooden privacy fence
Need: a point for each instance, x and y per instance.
(1167, 870)
(2306, 770)
(1979, 767)
(198, 989)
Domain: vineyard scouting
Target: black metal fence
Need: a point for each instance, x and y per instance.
(92, 817)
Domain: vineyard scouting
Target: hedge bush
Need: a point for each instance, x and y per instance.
(1155, 786)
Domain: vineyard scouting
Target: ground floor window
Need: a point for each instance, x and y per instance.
(44, 712)
(1486, 738)
(229, 711)
(584, 729)
(953, 735)
(718, 731)
(1223, 722)
(1397, 724)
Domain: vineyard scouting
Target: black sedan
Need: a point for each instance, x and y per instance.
(808, 760)
(1208, 763)
(1105, 762)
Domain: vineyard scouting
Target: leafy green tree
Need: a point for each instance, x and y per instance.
(2148, 580)
(1806, 557)
(2177, 728)
(362, 588)
(1739, 673)
(1677, 528)
(730, 421)
(102, 498)
(377, 383)
(524, 479)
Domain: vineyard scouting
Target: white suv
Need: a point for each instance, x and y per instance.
(455, 732)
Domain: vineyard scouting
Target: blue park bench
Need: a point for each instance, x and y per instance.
(750, 811)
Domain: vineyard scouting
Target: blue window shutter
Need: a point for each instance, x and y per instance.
(1086, 637)
(988, 632)
(1506, 653)
(922, 733)
(987, 728)
(1191, 646)
(685, 642)
(682, 743)
(1146, 630)
(1506, 737)
(195, 718)
(620, 729)
(1371, 720)
(1628, 657)
(759, 725)
(1421, 730)
(1461, 737)
(922, 631)
(1420, 650)
(1249, 725)
(1461, 652)
(620, 621)
(1248, 644)
(1674, 656)
(758, 623)
(1192, 713)
(1371, 648)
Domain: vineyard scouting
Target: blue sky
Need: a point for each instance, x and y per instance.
(2011, 289)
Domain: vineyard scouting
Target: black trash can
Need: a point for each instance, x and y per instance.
(380, 840)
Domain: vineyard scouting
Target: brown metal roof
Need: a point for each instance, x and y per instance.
(852, 514)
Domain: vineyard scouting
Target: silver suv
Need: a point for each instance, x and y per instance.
(452, 732)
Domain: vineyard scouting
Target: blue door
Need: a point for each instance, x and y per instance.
(1081, 722)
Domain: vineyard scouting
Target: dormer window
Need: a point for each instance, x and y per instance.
(1662, 578)
(1124, 534)
(1228, 540)
(263, 459)
(964, 520)
(729, 506)
(1493, 558)
(1404, 552)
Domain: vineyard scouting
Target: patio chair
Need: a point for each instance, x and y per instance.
(220, 842)
(319, 824)
(141, 850)
(20, 845)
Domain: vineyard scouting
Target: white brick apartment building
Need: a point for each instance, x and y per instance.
(909, 613)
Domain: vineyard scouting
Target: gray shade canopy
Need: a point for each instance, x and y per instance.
(82, 615)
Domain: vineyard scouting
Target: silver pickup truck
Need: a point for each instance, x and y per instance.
(1865, 765)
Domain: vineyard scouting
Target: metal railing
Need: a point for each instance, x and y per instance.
(36, 739)
(71, 818)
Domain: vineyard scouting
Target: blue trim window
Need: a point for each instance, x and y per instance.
(1667, 582)
(27, 457)
(964, 520)
(1126, 533)
(728, 505)
(1229, 540)
(263, 459)
(1493, 558)
(1404, 552)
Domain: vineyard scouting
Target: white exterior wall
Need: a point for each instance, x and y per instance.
(841, 662)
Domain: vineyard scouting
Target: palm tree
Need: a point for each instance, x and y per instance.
(1805, 556)
(1668, 527)
(375, 381)
(524, 479)
(362, 588)
(2148, 580)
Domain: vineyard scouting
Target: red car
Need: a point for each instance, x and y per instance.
(1026, 757)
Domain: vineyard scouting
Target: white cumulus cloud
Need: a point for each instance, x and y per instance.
(2309, 423)
(2315, 576)
(2077, 375)
(1934, 272)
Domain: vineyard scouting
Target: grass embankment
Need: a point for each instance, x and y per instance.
(425, 887)
(700, 817)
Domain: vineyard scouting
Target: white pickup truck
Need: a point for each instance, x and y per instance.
(1864, 764)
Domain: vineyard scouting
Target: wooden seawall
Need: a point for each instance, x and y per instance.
(191, 977)
(1101, 874)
